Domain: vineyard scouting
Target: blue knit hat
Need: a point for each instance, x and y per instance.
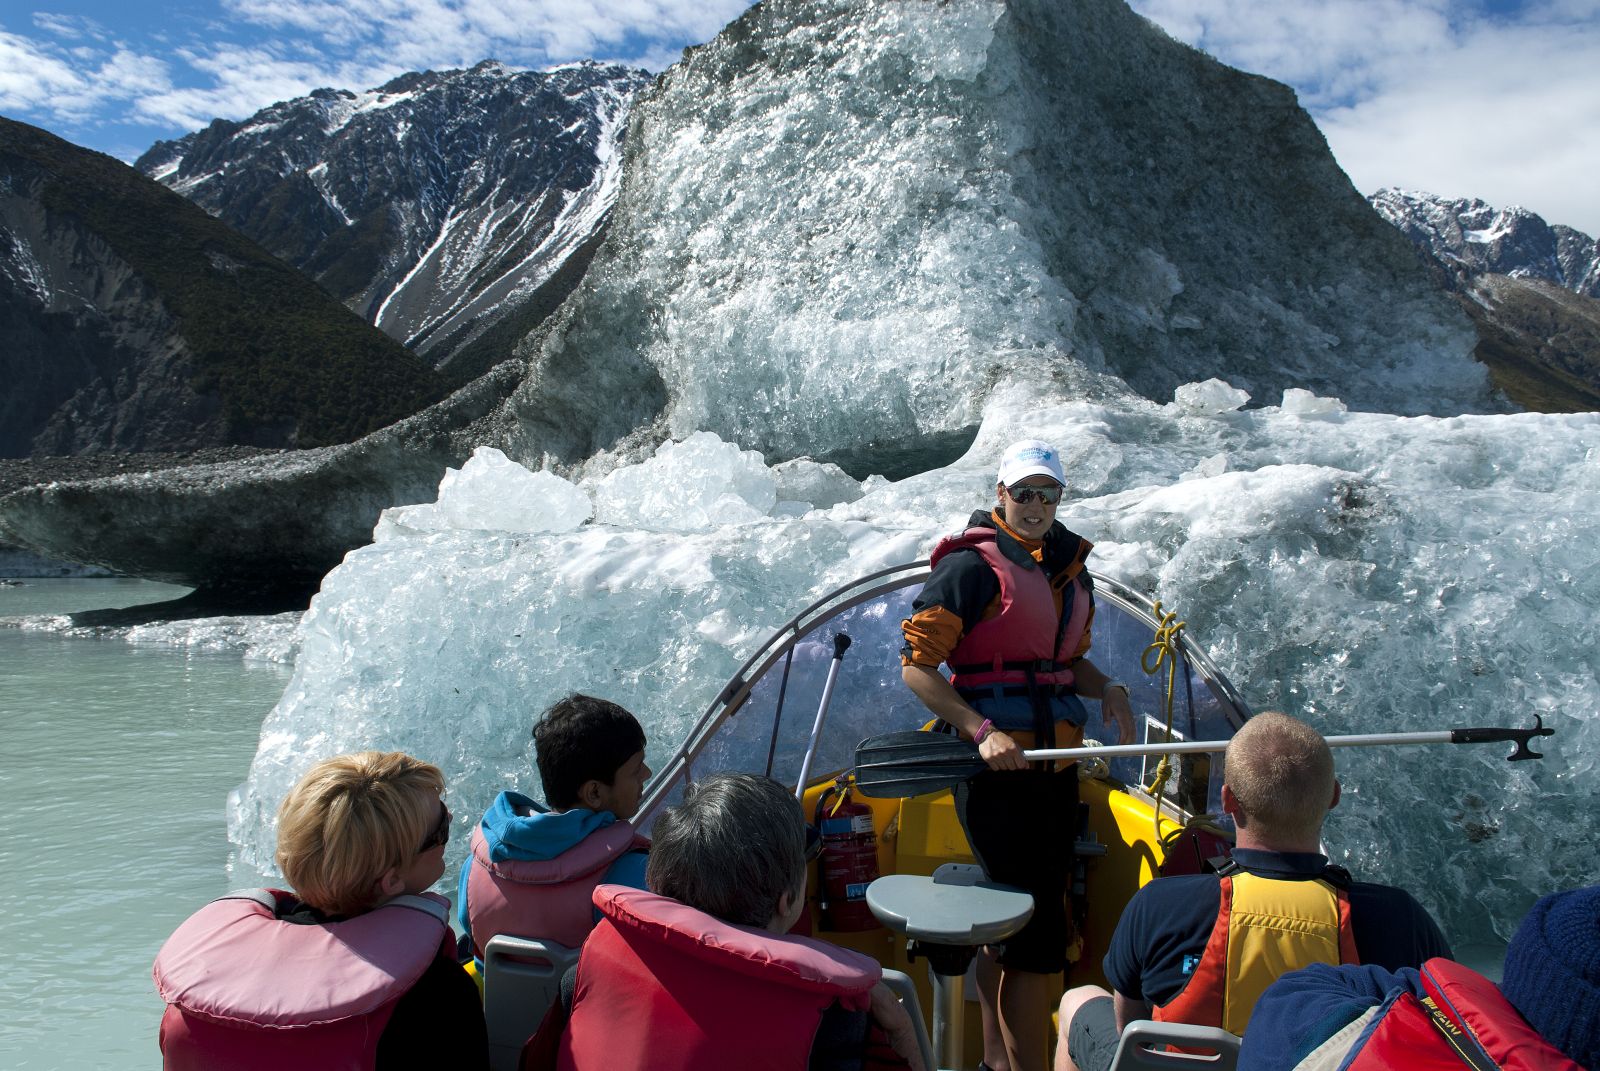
(1552, 973)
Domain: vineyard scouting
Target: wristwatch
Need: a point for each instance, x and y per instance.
(1110, 685)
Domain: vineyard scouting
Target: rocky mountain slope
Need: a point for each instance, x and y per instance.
(132, 321)
(1468, 237)
(452, 209)
(1532, 290)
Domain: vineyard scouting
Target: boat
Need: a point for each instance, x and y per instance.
(801, 703)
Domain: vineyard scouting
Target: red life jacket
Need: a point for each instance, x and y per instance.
(1028, 630)
(664, 987)
(248, 991)
(1265, 928)
(1474, 1021)
(545, 899)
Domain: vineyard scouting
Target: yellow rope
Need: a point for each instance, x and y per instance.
(1165, 649)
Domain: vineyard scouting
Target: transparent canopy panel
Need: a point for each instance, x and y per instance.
(763, 718)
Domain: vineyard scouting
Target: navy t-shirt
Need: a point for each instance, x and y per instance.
(1163, 931)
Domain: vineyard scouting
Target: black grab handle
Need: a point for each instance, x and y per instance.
(1519, 736)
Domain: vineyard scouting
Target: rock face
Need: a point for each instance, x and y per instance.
(437, 206)
(258, 527)
(1467, 237)
(983, 189)
(130, 320)
(1531, 289)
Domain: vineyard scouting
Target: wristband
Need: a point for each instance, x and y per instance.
(983, 731)
(1113, 684)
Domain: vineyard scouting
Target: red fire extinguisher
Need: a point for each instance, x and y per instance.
(849, 860)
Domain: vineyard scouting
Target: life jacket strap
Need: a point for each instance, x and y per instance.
(1039, 665)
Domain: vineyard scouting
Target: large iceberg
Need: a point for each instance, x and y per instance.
(1367, 572)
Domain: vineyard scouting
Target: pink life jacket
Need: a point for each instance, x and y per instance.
(1028, 632)
(1459, 1018)
(545, 899)
(248, 991)
(665, 987)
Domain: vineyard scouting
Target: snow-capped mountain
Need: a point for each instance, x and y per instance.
(1469, 237)
(437, 206)
(1531, 288)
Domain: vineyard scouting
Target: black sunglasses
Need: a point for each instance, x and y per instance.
(1023, 495)
(441, 832)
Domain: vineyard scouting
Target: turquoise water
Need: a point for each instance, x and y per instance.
(115, 763)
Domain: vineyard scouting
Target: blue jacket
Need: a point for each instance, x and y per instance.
(515, 828)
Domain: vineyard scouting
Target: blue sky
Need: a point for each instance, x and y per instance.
(1498, 99)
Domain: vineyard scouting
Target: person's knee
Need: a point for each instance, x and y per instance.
(1071, 1001)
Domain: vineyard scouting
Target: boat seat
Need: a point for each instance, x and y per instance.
(1135, 1051)
(521, 979)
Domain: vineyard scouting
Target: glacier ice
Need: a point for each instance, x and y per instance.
(842, 223)
(1365, 571)
(490, 491)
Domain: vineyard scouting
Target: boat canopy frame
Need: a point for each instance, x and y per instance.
(732, 697)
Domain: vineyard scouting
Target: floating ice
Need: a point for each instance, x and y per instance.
(1366, 572)
(1304, 403)
(1212, 396)
(492, 493)
(696, 484)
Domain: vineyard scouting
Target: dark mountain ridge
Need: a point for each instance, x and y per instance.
(130, 320)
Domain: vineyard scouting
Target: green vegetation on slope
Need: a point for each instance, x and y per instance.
(280, 354)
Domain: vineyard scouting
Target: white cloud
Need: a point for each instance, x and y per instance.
(37, 79)
(1431, 95)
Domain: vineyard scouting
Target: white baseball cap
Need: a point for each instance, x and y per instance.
(1030, 457)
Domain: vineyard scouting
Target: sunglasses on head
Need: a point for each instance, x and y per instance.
(441, 832)
(1023, 495)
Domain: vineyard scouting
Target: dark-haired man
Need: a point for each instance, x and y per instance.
(531, 869)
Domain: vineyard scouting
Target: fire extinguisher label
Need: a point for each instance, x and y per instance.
(856, 890)
(861, 823)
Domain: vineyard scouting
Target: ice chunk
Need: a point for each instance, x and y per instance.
(491, 493)
(819, 483)
(695, 484)
(1209, 398)
(1304, 403)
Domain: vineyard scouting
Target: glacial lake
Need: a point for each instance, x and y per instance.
(115, 763)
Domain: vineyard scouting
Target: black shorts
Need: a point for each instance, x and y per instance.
(1092, 1038)
(1022, 825)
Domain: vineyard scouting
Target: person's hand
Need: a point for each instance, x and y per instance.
(893, 1019)
(1001, 752)
(1114, 708)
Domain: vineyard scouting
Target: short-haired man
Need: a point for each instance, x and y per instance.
(1201, 948)
(355, 968)
(701, 971)
(1010, 609)
(531, 870)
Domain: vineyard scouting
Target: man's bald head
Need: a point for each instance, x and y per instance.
(1280, 772)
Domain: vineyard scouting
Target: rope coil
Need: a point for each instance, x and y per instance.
(1164, 648)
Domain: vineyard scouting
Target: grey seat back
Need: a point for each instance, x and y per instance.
(521, 979)
(1144, 1048)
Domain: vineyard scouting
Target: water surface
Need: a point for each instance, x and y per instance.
(115, 763)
